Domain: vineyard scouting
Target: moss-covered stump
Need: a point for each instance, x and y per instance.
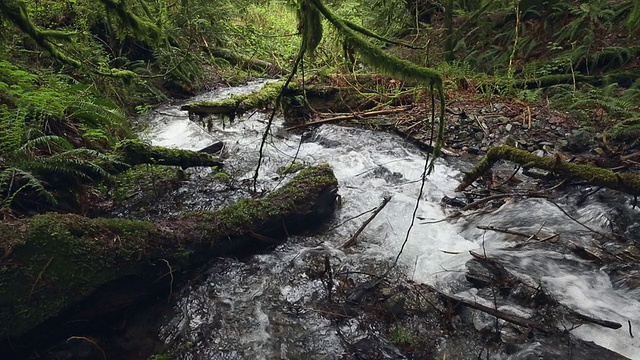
(52, 261)
(134, 152)
(626, 182)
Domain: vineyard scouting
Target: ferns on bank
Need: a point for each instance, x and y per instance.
(29, 157)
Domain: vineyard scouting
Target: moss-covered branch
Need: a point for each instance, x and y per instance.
(134, 152)
(622, 78)
(16, 12)
(142, 28)
(244, 61)
(52, 261)
(629, 183)
(237, 104)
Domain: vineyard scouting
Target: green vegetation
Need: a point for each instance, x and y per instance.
(401, 336)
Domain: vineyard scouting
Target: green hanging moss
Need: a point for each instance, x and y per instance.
(16, 12)
(140, 26)
(310, 25)
(374, 56)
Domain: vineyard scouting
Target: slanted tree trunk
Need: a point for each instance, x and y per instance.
(52, 261)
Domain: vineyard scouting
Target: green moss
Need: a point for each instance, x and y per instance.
(289, 169)
(401, 336)
(626, 182)
(134, 152)
(238, 104)
(154, 180)
(628, 130)
(60, 258)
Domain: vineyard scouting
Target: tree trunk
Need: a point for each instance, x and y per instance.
(52, 261)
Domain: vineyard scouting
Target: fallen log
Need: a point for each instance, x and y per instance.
(51, 261)
(629, 183)
(237, 104)
(622, 78)
(135, 152)
(300, 100)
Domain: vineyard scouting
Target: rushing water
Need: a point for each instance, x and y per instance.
(259, 308)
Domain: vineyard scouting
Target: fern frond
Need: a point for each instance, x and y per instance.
(26, 180)
(96, 114)
(12, 130)
(52, 142)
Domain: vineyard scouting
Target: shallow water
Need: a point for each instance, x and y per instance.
(261, 308)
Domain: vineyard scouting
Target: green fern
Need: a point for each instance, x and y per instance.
(13, 177)
(28, 157)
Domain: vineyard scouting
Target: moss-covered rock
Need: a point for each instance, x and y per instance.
(52, 261)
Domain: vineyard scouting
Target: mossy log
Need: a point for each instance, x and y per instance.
(236, 104)
(622, 78)
(629, 183)
(135, 152)
(52, 261)
(333, 95)
(244, 61)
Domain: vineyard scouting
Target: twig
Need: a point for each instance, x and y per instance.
(273, 114)
(491, 311)
(578, 222)
(171, 282)
(39, 277)
(351, 218)
(104, 356)
(605, 323)
(507, 231)
(353, 239)
(630, 333)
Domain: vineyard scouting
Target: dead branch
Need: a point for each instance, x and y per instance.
(518, 320)
(507, 231)
(351, 117)
(354, 238)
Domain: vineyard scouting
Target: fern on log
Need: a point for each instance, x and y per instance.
(52, 261)
(629, 183)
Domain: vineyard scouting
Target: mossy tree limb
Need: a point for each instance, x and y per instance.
(51, 261)
(622, 78)
(237, 104)
(629, 183)
(135, 152)
(16, 12)
(244, 61)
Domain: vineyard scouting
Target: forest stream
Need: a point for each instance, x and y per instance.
(264, 307)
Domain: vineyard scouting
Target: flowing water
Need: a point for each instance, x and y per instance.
(261, 308)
